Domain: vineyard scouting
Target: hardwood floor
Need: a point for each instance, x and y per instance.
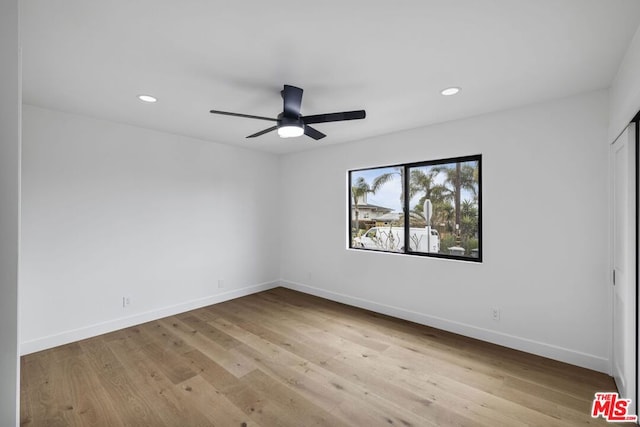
(282, 358)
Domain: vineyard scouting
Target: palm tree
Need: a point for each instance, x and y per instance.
(475, 175)
(381, 180)
(358, 191)
(422, 181)
(469, 225)
(462, 176)
(444, 215)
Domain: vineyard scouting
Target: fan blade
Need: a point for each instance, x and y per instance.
(262, 132)
(334, 117)
(292, 99)
(313, 133)
(248, 116)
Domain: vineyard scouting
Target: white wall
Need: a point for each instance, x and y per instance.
(545, 225)
(111, 210)
(9, 210)
(625, 90)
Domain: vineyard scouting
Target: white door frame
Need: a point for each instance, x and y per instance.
(628, 270)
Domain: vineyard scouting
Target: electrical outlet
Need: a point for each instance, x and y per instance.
(126, 301)
(220, 283)
(495, 314)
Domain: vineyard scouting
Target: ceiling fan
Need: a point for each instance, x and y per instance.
(290, 123)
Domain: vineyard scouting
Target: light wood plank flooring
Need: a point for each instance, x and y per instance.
(282, 358)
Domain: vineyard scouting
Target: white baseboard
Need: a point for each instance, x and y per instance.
(530, 346)
(566, 355)
(70, 336)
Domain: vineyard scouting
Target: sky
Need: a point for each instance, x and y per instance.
(389, 194)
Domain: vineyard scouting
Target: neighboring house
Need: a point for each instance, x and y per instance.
(367, 212)
(388, 218)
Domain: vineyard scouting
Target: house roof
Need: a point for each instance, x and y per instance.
(390, 216)
(373, 207)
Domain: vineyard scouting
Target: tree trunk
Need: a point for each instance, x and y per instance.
(457, 198)
(357, 221)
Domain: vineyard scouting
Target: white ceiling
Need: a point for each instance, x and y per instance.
(391, 58)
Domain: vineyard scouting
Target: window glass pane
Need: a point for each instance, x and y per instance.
(444, 207)
(376, 200)
(442, 200)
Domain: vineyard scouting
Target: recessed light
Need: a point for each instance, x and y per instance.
(450, 91)
(147, 98)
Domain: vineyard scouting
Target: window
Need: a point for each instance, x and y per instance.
(430, 208)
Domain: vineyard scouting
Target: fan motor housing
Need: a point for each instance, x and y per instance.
(289, 121)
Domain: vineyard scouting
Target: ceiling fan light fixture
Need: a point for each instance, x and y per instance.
(290, 131)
